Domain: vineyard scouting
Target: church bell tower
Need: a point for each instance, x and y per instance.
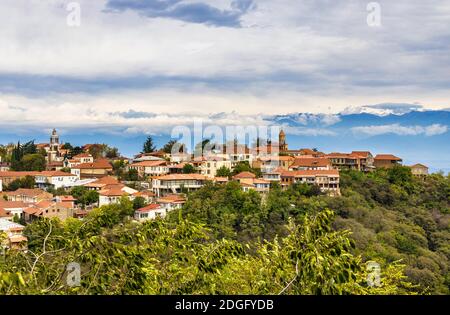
(282, 141)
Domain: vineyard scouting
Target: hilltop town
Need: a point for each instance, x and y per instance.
(54, 179)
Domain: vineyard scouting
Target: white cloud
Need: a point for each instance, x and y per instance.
(431, 130)
(289, 56)
(303, 131)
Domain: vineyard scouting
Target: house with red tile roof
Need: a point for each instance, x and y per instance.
(97, 169)
(327, 180)
(111, 194)
(209, 164)
(27, 195)
(175, 183)
(311, 164)
(150, 212)
(149, 168)
(48, 209)
(244, 175)
(14, 237)
(98, 184)
(386, 161)
(258, 184)
(55, 179)
(419, 170)
(172, 201)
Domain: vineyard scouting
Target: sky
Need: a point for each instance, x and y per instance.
(134, 67)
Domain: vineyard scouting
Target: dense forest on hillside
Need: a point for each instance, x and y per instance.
(392, 216)
(226, 241)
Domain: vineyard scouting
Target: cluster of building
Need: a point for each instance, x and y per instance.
(163, 183)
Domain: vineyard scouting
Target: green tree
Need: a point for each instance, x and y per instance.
(75, 151)
(33, 162)
(149, 146)
(189, 169)
(223, 172)
(25, 182)
(132, 175)
(244, 166)
(112, 152)
(174, 146)
(67, 146)
(139, 202)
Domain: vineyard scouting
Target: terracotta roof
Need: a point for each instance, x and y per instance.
(66, 198)
(150, 207)
(149, 163)
(34, 192)
(389, 157)
(363, 154)
(244, 175)
(310, 173)
(311, 162)
(17, 239)
(55, 174)
(178, 166)
(113, 192)
(4, 213)
(146, 193)
(339, 155)
(44, 204)
(107, 180)
(18, 174)
(30, 210)
(12, 204)
(82, 155)
(172, 199)
(418, 165)
(99, 164)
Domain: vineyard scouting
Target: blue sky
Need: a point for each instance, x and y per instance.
(137, 67)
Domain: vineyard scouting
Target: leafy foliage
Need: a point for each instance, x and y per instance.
(149, 146)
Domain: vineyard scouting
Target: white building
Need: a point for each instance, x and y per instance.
(111, 194)
(208, 165)
(150, 212)
(150, 168)
(55, 179)
(175, 183)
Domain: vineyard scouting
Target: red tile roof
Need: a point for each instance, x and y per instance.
(99, 164)
(150, 207)
(310, 173)
(18, 174)
(244, 175)
(149, 163)
(362, 154)
(82, 155)
(113, 192)
(311, 162)
(388, 157)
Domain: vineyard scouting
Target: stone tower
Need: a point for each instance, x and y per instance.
(52, 154)
(282, 141)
